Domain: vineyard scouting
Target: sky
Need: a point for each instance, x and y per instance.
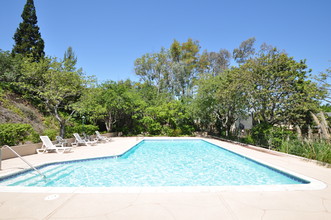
(107, 36)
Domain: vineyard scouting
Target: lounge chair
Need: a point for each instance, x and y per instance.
(81, 141)
(61, 141)
(102, 138)
(48, 146)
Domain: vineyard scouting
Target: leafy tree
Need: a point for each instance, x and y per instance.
(215, 63)
(176, 51)
(9, 68)
(172, 71)
(154, 69)
(28, 41)
(90, 104)
(184, 71)
(117, 102)
(326, 107)
(170, 118)
(280, 92)
(205, 104)
(221, 100)
(113, 103)
(70, 60)
(245, 51)
(324, 84)
(55, 87)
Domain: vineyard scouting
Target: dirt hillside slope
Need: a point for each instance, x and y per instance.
(14, 109)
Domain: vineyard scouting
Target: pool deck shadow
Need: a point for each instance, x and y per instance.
(168, 202)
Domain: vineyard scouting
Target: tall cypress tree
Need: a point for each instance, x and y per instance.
(27, 38)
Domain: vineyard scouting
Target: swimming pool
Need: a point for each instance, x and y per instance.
(159, 163)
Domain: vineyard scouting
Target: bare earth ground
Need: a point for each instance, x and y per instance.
(172, 202)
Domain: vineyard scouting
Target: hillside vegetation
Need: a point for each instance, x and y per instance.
(15, 109)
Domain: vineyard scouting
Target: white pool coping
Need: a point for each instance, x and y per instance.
(313, 184)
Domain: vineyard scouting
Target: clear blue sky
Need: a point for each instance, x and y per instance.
(108, 35)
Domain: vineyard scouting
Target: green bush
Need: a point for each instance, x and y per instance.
(34, 137)
(88, 129)
(187, 129)
(247, 140)
(12, 134)
(51, 133)
(167, 131)
(176, 132)
(155, 128)
(269, 136)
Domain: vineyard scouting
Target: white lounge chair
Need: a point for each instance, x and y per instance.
(102, 138)
(48, 146)
(79, 140)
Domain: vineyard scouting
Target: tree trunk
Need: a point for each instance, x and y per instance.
(108, 125)
(62, 121)
(62, 128)
(109, 122)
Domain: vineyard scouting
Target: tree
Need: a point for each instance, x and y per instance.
(70, 60)
(9, 68)
(90, 104)
(111, 103)
(185, 70)
(280, 92)
(55, 88)
(221, 100)
(28, 41)
(172, 71)
(215, 62)
(154, 69)
(245, 51)
(324, 84)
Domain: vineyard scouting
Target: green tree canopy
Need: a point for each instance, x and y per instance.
(54, 88)
(280, 92)
(9, 68)
(221, 100)
(173, 70)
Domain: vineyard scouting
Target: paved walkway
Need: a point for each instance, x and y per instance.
(170, 203)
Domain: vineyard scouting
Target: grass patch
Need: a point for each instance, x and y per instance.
(316, 150)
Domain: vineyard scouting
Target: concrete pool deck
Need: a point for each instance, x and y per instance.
(210, 203)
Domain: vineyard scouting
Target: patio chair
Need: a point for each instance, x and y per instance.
(88, 137)
(81, 141)
(48, 146)
(102, 138)
(61, 141)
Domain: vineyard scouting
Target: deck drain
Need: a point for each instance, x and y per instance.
(52, 197)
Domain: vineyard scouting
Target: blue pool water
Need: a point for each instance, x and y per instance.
(159, 163)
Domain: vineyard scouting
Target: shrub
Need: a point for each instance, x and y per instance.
(12, 134)
(88, 129)
(51, 133)
(154, 128)
(247, 140)
(186, 129)
(167, 131)
(33, 137)
(316, 150)
(269, 136)
(176, 132)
